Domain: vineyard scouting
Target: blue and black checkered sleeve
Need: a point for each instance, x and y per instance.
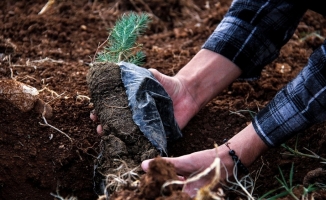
(252, 32)
(299, 105)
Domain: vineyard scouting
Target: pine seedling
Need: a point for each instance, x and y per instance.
(122, 41)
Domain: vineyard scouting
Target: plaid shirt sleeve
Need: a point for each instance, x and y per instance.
(253, 31)
(299, 105)
(251, 35)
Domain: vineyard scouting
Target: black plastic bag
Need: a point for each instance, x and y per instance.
(152, 107)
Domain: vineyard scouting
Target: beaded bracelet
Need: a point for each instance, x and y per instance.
(236, 159)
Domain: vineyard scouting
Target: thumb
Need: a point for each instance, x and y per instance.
(145, 164)
(165, 80)
(171, 85)
(156, 74)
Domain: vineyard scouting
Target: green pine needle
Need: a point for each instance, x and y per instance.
(122, 39)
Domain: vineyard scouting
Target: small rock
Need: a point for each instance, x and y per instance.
(315, 176)
(283, 68)
(83, 27)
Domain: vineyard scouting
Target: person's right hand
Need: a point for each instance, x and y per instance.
(188, 165)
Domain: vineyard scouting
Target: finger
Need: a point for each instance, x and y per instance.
(171, 85)
(145, 164)
(99, 129)
(181, 178)
(93, 116)
(156, 73)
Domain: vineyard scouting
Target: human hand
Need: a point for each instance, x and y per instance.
(184, 105)
(247, 144)
(189, 165)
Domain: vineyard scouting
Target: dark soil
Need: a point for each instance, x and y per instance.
(50, 52)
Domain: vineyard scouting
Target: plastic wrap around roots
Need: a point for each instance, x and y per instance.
(152, 108)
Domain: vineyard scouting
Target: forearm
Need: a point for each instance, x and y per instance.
(207, 74)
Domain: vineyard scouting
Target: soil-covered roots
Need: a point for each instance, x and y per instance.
(122, 139)
(162, 182)
(150, 184)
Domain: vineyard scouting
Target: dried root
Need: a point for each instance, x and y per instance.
(58, 196)
(47, 6)
(123, 177)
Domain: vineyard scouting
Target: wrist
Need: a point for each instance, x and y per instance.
(206, 75)
(247, 145)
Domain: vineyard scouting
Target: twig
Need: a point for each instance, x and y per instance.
(51, 91)
(82, 97)
(100, 46)
(47, 59)
(47, 6)
(238, 112)
(47, 124)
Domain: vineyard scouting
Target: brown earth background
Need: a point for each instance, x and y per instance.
(52, 52)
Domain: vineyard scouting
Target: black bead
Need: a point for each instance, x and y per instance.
(232, 152)
(235, 158)
(237, 161)
(244, 169)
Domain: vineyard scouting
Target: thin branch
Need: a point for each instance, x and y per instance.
(49, 125)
